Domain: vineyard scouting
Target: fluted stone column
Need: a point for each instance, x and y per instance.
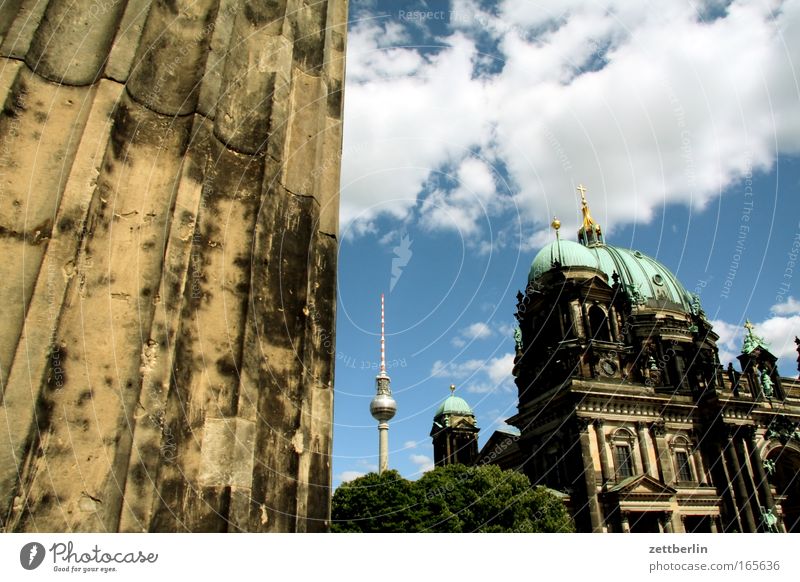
(664, 458)
(728, 492)
(626, 526)
(605, 469)
(666, 522)
(699, 465)
(743, 500)
(590, 481)
(762, 482)
(169, 178)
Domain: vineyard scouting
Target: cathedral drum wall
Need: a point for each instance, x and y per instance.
(169, 175)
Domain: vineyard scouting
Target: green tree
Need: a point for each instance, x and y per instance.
(373, 503)
(455, 498)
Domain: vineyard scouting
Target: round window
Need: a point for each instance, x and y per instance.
(658, 279)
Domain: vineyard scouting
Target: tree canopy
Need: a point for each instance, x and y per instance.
(454, 498)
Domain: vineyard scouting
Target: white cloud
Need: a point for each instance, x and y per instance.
(730, 340)
(346, 476)
(780, 332)
(423, 462)
(407, 115)
(480, 376)
(478, 330)
(646, 107)
(410, 445)
(466, 206)
(789, 307)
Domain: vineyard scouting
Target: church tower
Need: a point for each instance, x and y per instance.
(454, 432)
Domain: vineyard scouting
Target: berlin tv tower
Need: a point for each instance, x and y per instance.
(383, 407)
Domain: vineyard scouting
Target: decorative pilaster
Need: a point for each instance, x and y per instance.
(642, 432)
(605, 469)
(593, 504)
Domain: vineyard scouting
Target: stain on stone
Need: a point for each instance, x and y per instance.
(227, 366)
(242, 261)
(40, 116)
(260, 14)
(146, 292)
(171, 5)
(66, 224)
(124, 126)
(334, 98)
(85, 396)
(139, 474)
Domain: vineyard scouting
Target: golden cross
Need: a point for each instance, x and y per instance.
(582, 190)
(748, 325)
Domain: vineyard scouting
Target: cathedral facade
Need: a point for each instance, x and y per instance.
(625, 408)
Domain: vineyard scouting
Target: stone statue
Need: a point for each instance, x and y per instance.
(696, 309)
(732, 378)
(770, 520)
(769, 466)
(518, 339)
(797, 341)
(766, 384)
(751, 340)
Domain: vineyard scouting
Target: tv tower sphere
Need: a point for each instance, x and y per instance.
(383, 407)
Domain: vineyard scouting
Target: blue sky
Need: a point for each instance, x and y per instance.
(468, 127)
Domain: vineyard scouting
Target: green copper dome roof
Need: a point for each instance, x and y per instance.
(454, 405)
(566, 252)
(640, 274)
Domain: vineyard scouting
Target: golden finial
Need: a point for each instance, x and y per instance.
(582, 189)
(556, 224)
(452, 388)
(749, 326)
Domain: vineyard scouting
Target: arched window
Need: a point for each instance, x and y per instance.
(599, 323)
(622, 446)
(681, 450)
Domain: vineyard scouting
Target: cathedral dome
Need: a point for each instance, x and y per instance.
(644, 277)
(454, 405)
(566, 252)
